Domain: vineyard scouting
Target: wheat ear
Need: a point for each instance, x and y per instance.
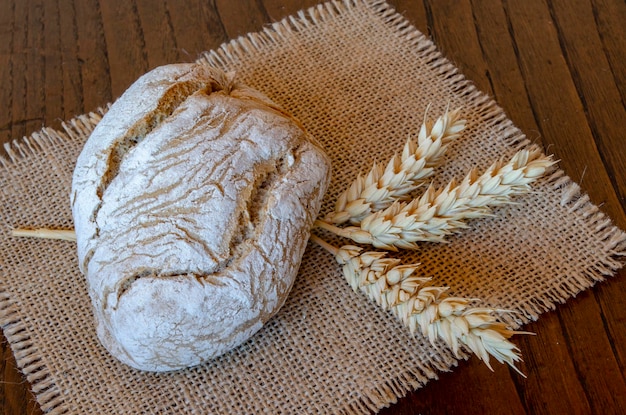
(402, 174)
(438, 213)
(427, 308)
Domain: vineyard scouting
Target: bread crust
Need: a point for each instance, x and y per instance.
(192, 200)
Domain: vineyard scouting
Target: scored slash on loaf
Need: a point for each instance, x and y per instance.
(193, 201)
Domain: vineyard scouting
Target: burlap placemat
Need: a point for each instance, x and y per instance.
(360, 78)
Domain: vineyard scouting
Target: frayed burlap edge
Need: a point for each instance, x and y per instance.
(27, 356)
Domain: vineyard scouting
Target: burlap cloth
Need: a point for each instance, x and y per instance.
(360, 78)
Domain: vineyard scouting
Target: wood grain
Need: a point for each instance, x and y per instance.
(555, 66)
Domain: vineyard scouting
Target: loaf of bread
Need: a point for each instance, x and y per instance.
(193, 200)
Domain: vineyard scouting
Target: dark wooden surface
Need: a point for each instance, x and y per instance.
(557, 67)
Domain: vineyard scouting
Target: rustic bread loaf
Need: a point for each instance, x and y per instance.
(192, 200)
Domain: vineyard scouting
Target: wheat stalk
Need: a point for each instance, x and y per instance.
(402, 174)
(45, 233)
(396, 288)
(438, 213)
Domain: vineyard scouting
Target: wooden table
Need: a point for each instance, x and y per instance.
(557, 67)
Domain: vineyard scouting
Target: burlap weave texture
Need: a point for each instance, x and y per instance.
(360, 78)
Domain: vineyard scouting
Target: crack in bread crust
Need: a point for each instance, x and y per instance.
(250, 223)
(164, 109)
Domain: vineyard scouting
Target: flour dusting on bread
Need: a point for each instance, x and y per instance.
(193, 200)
